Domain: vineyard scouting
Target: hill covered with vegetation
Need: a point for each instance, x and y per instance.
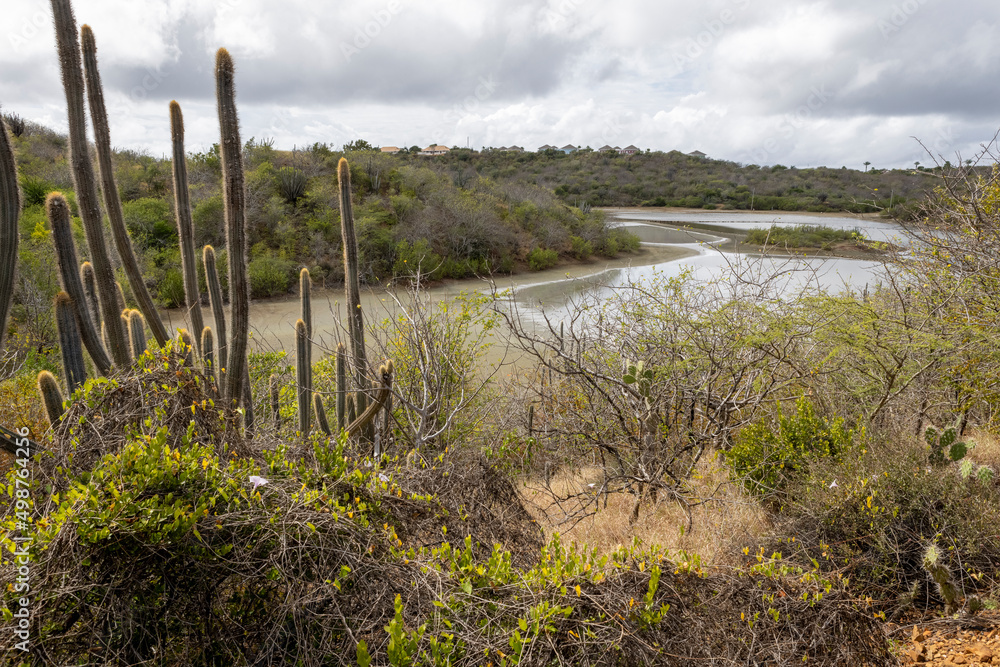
(409, 215)
(675, 179)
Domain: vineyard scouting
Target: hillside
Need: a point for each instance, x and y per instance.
(676, 179)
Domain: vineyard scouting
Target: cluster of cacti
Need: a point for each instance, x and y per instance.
(941, 576)
(91, 311)
(86, 186)
(944, 445)
(112, 202)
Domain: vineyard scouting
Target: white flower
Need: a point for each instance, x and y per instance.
(833, 484)
(383, 477)
(257, 481)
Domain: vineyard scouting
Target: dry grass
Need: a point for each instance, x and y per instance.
(725, 521)
(987, 447)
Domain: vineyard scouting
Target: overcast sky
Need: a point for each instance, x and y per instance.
(754, 81)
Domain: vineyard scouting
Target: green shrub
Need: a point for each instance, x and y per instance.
(873, 518)
(766, 458)
(582, 249)
(269, 276)
(542, 258)
(171, 290)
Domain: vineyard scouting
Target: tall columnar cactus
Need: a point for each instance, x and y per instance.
(302, 376)
(70, 342)
(90, 289)
(305, 299)
(352, 283)
(48, 389)
(10, 214)
(233, 193)
(86, 186)
(112, 202)
(62, 238)
(185, 224)
(321, 420)
(341, 385)
(208, 353)
(218, 314)
(137, 333)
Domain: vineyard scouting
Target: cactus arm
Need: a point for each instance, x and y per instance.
(233, 190)
(137, 333)
(185, 224)
(218, 313)
(302, 376)
(57, 211)
(70, 342)
(366, 417)
(90, 290)
(52, 398)
(321, 420)
(83, 176)
(10, 214)
(208, 353)
(186, 346)
(274, 390)
(341, 385)
(112, 202)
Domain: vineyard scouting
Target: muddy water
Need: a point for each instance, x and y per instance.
(672, 242)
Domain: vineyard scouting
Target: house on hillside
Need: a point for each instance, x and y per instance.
(607, 149)
(698, 154)
(629, 150)
(516, 149)
(389, 150)
(434, 149)
(546, 147)
(569, 148)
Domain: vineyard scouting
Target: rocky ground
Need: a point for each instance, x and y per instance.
(946, 642)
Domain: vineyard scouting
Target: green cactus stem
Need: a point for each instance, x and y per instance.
(233, 194)
(352, 284)
(302, 376)
(321, 420)
(218, 313)
(341, 385)
(48, 389)
(186, 346)
(275, 390)
(90, 289)
(384, 391)
(248, 413)
(137, 333)
(112, 201)
(208, 353)
(305, 299)
(10, 214)
(942, 578)
(70, 342)
(185, 224)
(351, 412)
(86, 186)
(62, 239)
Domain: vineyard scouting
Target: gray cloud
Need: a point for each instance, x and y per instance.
(805, 83)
